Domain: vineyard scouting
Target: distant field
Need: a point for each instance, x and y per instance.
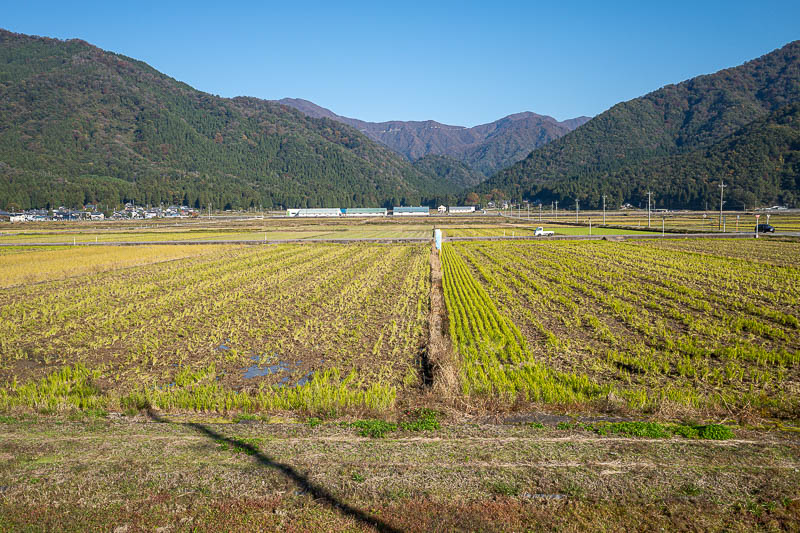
(270, 232)
(646, 324)
(692, 221)
(29, 265)
(298, 326)
(70, 236)
(527, 231)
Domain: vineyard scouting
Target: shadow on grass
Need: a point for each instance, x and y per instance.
(319, 493)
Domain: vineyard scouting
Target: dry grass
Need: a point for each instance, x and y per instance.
(49, 264)
(103, 474)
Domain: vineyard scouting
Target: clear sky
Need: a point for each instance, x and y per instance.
(463, 63)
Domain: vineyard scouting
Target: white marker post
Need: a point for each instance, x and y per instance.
(757, 225)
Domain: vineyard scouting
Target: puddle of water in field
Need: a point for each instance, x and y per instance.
(259, 370)
(305, 379)
(224, 346)
(255, 371)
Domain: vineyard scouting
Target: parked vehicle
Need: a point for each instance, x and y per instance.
(765, 228)
(540, 232)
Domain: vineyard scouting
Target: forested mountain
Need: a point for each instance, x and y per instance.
(81, 125)
(739, 124)
(485, 148)
(449, 170)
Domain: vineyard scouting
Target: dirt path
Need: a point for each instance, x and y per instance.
(440, 356)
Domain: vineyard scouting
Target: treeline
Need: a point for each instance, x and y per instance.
(26, 189)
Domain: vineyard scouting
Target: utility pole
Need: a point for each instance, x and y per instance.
(209, 209)
(604, 209)
(721, 189)
(577, 208)
(540, 212)
(556, 209)
(649, 194)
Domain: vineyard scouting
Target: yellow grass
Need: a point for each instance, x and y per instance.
(59, 263)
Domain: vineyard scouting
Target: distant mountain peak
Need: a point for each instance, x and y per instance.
(485, 148)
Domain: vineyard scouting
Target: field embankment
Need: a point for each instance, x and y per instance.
(135, 475)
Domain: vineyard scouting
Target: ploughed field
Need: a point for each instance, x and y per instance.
(319, 327)
(692, 326)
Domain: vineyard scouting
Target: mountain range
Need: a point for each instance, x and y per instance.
(739, 125)
(82, 125)
(485, 149)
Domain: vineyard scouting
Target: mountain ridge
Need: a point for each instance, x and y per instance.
(485, 148)
(82, 125)
(637, 145)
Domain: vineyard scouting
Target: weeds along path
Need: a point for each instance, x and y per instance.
(440, 356)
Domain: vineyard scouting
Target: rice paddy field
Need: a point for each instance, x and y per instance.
(648, 325)
(519, 230)
(269, 232)
(687, 221)
(700, 325)
(504, 385)
(319, 327)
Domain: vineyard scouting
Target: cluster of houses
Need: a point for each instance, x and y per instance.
(62, 213)
(92, 212)
(376, 211)
(132, 211)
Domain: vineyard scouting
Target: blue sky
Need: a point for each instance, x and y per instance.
(462, 63)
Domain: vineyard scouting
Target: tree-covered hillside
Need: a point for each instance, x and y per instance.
(449, 170)
(80, 125)
(739, 124)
